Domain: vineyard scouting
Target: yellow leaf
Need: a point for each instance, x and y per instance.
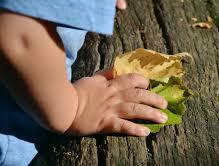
(207, 24)
(151, 64)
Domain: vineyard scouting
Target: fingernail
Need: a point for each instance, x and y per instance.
(165, 104)
(163, 118)
(144, 132)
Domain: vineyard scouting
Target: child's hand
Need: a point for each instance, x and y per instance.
(121, 4)
(106, 105)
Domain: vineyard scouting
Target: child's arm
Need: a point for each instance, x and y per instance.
(34, 50)
(92, 104)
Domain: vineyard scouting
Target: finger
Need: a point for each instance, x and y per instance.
(140, 111)
(123, 126)
(129, 81)
(121, 4)
(143, 96)
(108, 73)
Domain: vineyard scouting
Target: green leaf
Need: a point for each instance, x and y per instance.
(176, 93)
(172, 119)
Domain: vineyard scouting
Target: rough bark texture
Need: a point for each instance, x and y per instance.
(163, 26)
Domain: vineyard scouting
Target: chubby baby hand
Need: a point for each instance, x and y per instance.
(107, 105)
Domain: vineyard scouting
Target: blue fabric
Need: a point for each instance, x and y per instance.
(18, 132)
(73, 39)
(11, 157)
(92, 15)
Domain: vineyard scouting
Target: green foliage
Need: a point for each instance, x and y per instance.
(176, 93)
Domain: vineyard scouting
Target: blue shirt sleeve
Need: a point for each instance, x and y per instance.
(72, 40)
(93, 15)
